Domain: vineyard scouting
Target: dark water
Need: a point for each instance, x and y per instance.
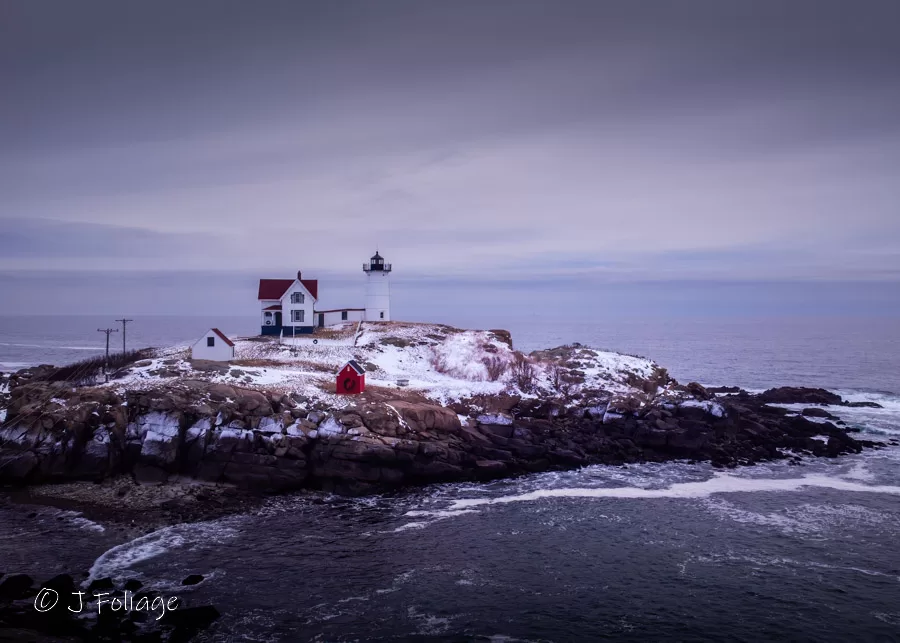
(650, 552)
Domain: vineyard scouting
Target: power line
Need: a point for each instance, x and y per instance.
(106, 363)
(124, 324)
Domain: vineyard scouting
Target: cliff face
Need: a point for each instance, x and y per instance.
(273, 442)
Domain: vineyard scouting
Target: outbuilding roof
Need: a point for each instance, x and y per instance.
(222, 336)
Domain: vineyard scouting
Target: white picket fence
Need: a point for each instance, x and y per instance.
(313, 341)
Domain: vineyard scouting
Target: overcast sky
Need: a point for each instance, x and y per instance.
(583, 142)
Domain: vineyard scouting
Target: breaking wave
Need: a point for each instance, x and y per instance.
(114, 562)
(722, 483)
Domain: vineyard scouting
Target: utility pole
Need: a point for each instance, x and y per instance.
(106, 364)
(124, 324)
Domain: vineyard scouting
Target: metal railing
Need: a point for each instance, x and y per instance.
(384, 267)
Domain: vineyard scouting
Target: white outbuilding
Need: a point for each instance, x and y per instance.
(213, 346)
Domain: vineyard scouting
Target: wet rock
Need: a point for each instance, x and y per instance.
(100, 584)
(724, 390)
(798, 395)
(816, 412)
(147, 474)
(62, 584)
(193, 579)
(192, 618)
(15, 587)
(698, 391)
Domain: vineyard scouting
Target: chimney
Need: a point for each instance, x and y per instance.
(298, 275)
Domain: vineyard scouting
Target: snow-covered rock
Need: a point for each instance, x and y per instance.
(495, 418)
(269, 425)
(159, 434)
(331, 427)
(713, 408)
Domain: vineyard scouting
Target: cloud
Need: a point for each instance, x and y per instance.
(28, 244)
(514, 140)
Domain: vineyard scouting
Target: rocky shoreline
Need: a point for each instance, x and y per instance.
(185, 449)
(272, 443)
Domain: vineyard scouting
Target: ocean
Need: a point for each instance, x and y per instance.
(673, 551)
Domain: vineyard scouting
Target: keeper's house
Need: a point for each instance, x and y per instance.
(287, 305)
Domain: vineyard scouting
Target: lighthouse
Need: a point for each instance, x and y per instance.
(378, 289)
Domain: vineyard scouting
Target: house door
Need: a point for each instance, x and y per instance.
(278, 319)
(321, 320)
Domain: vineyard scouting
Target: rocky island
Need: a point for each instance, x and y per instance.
(166, 438)
(470, 408)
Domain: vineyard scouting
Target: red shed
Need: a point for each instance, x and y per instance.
(351, 379)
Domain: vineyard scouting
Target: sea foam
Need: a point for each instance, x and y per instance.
(723, 483)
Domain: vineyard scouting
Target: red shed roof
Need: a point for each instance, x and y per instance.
(275, 288)
(355, 366)
(222, 335)
(275, 307)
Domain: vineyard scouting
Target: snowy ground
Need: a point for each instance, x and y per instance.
(439, 362)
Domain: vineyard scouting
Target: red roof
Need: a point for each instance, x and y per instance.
(338, 310)
(275, 307)
(275, 288)
(312, 285)
(220, 334)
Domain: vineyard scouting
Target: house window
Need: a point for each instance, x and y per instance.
(210, 341)
(382, 314)
(343, 315)
(297, 297)
(298, 315)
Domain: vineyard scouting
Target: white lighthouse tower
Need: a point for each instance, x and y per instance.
(378, 289)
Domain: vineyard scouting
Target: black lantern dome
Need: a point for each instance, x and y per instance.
(376, 264)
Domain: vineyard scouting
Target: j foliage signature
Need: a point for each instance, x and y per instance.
(79, 602)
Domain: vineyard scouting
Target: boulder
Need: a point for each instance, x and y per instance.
(424, 417)
(221, 392)
(698, 391)
(100, 584)
(254, 403)
(15, 587)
